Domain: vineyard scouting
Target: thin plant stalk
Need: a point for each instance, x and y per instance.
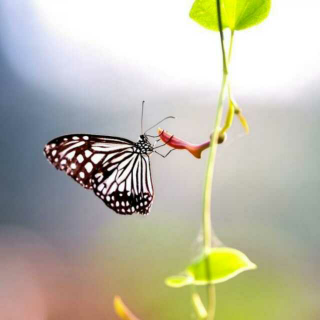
(212, 301)
(207, 226)
(229, 59)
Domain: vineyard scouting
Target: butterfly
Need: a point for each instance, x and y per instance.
(116, 169)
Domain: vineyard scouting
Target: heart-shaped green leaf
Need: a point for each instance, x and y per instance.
(216, 266)
(236, 14)
(223, 264)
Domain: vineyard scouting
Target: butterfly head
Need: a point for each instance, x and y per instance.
(144, 145)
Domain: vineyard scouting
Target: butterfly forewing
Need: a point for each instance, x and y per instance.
(117, 169)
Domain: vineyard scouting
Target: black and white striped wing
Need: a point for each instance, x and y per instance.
(103, 163)
(124, 184)
(80, 156)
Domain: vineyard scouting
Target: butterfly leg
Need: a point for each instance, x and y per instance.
(157, 136)
(164, 156)
(164, 143)
(148, 135)
(156, 143)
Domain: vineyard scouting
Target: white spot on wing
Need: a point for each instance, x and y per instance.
(97, 158)
(71, 155)
(80, 158)
(88, 153)
(89, 167)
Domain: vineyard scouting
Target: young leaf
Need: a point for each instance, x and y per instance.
(219, 265)
(236, 14)
(223, 263)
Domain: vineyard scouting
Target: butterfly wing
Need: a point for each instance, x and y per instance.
(124, 184)
(80, 156)
(111, 166)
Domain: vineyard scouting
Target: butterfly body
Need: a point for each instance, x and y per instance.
(116, 169)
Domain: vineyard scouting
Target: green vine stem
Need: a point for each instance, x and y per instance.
(232, 105)
(207, 226)
(230, 47)
(207, 239)
(212, 301)
(229, 59)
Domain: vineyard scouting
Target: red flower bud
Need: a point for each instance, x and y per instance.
(177, 143)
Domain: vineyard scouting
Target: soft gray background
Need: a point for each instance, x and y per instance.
(63, 254)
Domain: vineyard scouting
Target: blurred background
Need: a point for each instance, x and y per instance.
(84, 67)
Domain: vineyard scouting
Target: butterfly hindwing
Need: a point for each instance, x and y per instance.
(125, 185)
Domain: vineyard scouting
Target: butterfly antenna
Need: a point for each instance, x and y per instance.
(142, 117)
(170, 117)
